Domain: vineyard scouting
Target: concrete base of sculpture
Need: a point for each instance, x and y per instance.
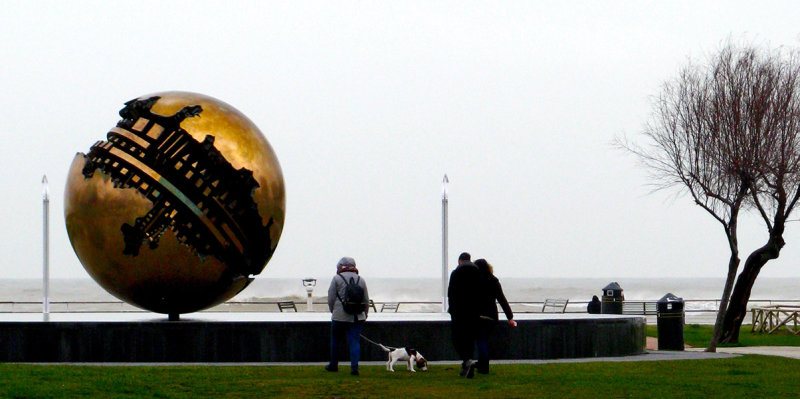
(305, 337)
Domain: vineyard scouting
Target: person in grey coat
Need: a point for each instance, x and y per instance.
(343, 324)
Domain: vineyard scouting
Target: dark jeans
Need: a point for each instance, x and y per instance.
(463, 331)
(482, 341)
(352, 331)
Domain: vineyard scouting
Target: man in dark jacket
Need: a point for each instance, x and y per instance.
(464, 299)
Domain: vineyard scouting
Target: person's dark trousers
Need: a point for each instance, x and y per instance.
(352, 331)
(463, 334)
(482, 342)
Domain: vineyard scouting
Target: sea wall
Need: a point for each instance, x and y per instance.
(552, 337)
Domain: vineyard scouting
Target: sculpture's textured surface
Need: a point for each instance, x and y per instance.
(179, 207)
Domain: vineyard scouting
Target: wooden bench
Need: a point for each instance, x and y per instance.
(287, 305)
(555, 305)
(391, 306)
(639, 308)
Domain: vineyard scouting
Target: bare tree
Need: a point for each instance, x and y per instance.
(777, 187)
(714, 134)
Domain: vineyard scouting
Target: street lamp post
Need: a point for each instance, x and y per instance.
(445, 181)
(45, 249)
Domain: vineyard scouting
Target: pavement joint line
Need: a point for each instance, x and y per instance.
(647, 356)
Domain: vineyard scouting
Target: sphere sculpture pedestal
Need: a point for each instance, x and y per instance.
(305, 337)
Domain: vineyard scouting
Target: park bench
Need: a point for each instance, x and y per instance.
(639, 308)
(286, 305)
(555, 305)
(391, 306)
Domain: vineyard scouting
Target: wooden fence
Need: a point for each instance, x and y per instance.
(768, 319)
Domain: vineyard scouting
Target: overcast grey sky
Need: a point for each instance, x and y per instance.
(369, 104)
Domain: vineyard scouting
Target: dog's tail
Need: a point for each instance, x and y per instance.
(385, 348)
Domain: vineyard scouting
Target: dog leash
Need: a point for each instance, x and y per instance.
(375, 343)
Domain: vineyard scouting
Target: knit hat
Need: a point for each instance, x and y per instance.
(346, 261)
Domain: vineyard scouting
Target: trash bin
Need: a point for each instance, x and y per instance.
(670, 323)
(612, 299)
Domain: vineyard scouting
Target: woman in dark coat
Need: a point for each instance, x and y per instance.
(492, 293)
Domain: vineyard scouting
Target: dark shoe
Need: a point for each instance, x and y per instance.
(330, 367)
(353, 372)
(482, 371)
(471, 370)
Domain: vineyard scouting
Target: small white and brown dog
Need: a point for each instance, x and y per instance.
(408, 355)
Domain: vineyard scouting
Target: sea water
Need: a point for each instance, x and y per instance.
(708, 290)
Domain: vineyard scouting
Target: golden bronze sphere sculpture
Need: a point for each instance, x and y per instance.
(179, 207)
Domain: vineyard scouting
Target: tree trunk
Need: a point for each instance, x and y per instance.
(733, 265)
(731, 231)
(737, 310)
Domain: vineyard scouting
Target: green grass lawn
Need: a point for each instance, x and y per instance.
(699, 335)
(746, 376)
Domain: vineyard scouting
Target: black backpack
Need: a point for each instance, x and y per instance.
(353, 301)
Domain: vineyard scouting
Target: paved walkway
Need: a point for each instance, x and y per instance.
(792, 352)
(650, 355)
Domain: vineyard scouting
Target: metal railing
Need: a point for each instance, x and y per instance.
(691, 306)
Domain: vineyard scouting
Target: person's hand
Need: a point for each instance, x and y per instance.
(512, 323)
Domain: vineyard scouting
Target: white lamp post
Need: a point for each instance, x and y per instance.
(45, 249)
(445, 181)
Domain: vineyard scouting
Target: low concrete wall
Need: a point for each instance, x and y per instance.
(305, 341)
